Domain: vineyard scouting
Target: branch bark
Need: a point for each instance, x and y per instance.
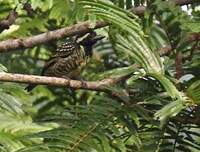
(10, 19)
(185, 2)
(12, 16)
(141, 9)
(28, 8)
(85, 27)
(13, 44)
(188, 120)
(167, 49)
(54, 81)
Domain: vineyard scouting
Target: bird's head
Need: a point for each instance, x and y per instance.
(88, 42)
(90, 39)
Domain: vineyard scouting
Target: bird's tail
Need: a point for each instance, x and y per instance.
(30, 87)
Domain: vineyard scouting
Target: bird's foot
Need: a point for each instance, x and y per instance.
(65, 77)
(83, 83)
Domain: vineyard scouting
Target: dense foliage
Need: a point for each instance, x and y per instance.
(156, 108)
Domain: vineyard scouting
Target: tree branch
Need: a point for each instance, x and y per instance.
(167, 49)
(10, 19)
(54, 81)
(32, 41)
(12, 16)
(187, 120)
(85, 27)
(28, 8)
(185, 2)
(141, 9)
(178, 64)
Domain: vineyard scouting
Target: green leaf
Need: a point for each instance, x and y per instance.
(170, 110)
(133, 42)
(193, 92)
(60, 10)
(168, 85)
(192, 26)
(117, 72)
(3, 68)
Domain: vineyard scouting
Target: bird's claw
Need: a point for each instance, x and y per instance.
(83, 83)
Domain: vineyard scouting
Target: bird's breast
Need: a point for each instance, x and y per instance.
(69, 66)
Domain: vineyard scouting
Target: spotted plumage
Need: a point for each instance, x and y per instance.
(66, 48)
(66, 63)
(69, 58)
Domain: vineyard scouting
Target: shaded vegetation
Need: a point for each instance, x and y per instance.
(159, 111)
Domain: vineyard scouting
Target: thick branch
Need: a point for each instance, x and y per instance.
(54, 81)
(32, 41)
(85, 27)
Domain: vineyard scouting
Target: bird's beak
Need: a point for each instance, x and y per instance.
(98, 37)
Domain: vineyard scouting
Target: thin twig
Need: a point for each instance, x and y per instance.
(10, 19)
(30, 11)
(167, 49)
(178, 64)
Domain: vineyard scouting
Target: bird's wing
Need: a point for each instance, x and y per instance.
(49, 63)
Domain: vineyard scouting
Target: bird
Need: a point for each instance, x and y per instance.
(69, 58)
